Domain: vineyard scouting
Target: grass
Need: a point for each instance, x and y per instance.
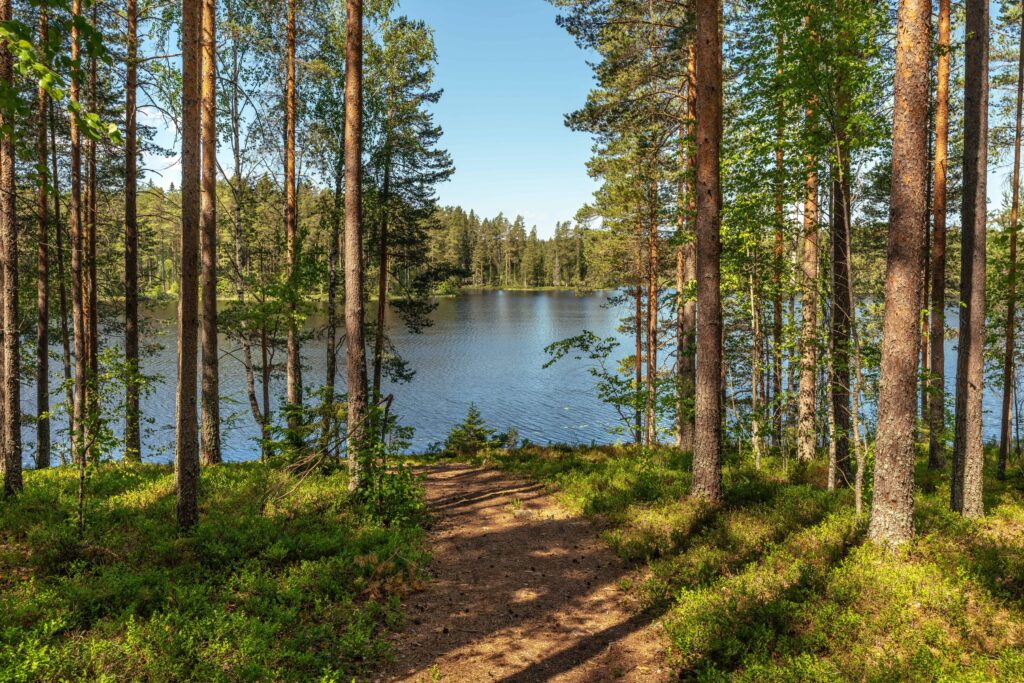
(778, 584)
(284, 579)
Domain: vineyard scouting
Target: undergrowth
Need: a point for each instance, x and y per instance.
(778, 584)
(285, 578)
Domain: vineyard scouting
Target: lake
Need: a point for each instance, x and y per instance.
(485, 347)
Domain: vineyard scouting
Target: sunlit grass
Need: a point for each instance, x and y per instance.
(778, 584)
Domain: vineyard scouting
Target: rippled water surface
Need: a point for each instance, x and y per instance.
(485, 348)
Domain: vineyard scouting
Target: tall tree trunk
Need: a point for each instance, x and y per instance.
(382, 258)
(186, 454)
(809, 318)
(1011, 290)
(355, 351)
(707, 458)
(892, 510)
(755, 373)
(841, 315)
(937, 315)
(652, 334)
(92, 307)
(332, 280)
(968, 457)
(210, 428)
(687, 265)
(42, 275)
(132, 435)
(58, 227)
(780, 223)
(638, 338)
(77, 256)
(11, 408)
(294, 361)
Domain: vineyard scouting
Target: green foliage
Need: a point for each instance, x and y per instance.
(471, 436)
(284, 579)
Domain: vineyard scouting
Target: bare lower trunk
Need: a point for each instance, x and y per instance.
(294, 361)
(892, 511)
(968, 457)
(132, 436)
(355, 350)
(11, 404)
(1011, 289)
(806, 408)
(186, 452)
(707, 458)
(42, 278)
(210, 438)
(840, 321)
(937, 315)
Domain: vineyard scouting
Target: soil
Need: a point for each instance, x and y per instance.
(521, 590)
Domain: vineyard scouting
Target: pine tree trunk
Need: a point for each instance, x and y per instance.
(707, 458)
(806, 408)
(1011, 289)
(42, 277)
(132, 436)
(652, 335)
(937, 315)
(638, 337)
(841, 317)
(968, 457)
(892, 511)
(355, 338)
(332, 281)
(382, 258)
(65, 336)
(294, 361)
(77, 256)
(210, 448)
(186, 454)
(11, 389)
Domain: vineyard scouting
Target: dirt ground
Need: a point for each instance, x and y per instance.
(521, 591)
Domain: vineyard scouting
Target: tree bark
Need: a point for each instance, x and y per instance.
(77, 256)
(806, 409)
(937, 315)
(1011, 289)
(132, 435)
(42, 274)
(210, 449)
(892, 511)
(58, 227)
(12, 479)
(186, 454)
(707, 458)
(382, 258)
(968, 457)
(355, 352)
(841, 317)
(294, 361)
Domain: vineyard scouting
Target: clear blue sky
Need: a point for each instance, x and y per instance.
(509, 76)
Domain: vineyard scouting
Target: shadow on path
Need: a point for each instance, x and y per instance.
(522, 591)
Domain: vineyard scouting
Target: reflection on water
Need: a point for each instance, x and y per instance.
(485, 348)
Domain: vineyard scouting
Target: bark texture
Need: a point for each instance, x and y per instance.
(132, 432)
(355, 338)
(968, 456)
(892, 510)
(42, 275)
(707, 457)
(210, 428)
(937, 315)
(186, 451)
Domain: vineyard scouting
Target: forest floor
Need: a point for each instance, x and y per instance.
(522, 590)
(593, 564)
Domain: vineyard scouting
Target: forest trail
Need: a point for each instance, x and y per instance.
(521, 591)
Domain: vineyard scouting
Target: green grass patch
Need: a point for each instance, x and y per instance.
(777, 584)
(284, 578)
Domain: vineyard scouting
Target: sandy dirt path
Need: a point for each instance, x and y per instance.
(521, 591)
